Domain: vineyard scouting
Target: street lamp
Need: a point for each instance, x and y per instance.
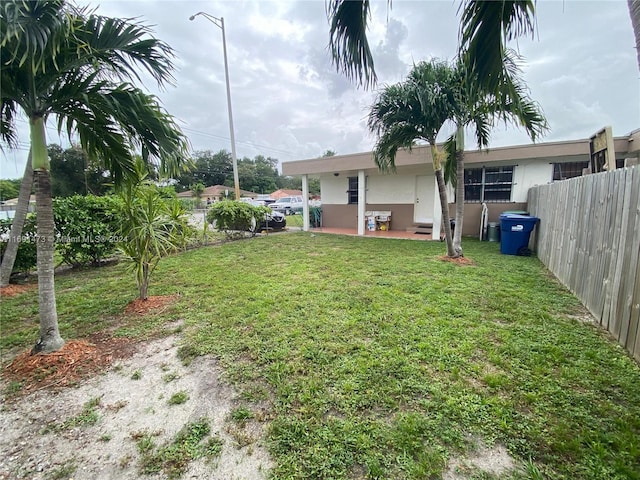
(219, 22)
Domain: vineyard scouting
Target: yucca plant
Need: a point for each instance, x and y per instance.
(151, 228)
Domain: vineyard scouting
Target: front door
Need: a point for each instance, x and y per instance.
(423, 207)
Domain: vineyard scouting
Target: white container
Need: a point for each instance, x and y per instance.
(371, 223)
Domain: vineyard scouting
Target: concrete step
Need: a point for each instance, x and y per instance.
(424, 228)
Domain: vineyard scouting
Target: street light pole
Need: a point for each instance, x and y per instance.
(219, 22)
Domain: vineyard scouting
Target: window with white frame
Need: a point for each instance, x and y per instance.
(488, 184)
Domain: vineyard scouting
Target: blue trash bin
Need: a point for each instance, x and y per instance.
(515, 231)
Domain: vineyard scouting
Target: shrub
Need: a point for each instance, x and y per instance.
(86, 228)
(151, 228)
(26, 258)
(229, 215)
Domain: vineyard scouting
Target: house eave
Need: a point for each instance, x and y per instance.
(564, 151)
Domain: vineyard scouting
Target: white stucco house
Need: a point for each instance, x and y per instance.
(352, 186)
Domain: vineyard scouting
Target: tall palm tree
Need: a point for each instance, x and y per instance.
(485, 28)
(417, 109)
(634, 13)
(480, 110)
(65, 62)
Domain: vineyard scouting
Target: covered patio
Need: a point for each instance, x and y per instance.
(397, 234)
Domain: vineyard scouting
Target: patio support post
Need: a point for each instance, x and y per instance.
(305, 203)
(362, 200)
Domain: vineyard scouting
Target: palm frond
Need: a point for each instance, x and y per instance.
(31, 31)
(396, 137)
(350, 51)
(485, 28)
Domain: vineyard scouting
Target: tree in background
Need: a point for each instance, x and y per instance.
(60, 60)
(198, 189)
(72, 173)
(9, 189)
(259, 174)
(207, 168)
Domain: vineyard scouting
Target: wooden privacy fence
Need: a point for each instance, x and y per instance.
(589, 237)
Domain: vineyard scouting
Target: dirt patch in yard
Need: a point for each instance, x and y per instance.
(122, 393)
(494, 461)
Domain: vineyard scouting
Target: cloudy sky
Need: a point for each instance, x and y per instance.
(289, 103)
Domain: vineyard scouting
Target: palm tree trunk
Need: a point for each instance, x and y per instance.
(444, 202)
(144, 284)
(634, 12)
(11, 252)
(457, 236)
(50, 339)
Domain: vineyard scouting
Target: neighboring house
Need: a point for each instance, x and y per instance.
(216, 193)
(278, 194)
(352, 185)
(10, 205)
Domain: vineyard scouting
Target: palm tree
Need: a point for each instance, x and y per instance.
(479, 111)
(634, 13)
(22, 208)
(485, 28)
(416, 109)
(66, 62)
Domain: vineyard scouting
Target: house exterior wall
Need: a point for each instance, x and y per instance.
(346, 216)
(471, 223)
(533, 165)
(391, 189)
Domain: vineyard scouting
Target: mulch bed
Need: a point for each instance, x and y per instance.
(76, 360)
(154, 303)
(458, 260)
(13, 290)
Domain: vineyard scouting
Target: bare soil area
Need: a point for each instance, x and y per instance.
(83, 420)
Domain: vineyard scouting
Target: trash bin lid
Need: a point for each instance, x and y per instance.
(516, 212)
(518, 218)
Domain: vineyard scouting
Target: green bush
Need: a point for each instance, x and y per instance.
(26, 258)
(86, 228)
(229, 215)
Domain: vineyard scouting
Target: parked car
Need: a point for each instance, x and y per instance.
(272, 221)
(288, 205)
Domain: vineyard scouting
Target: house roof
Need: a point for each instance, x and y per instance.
(420, 156)
(14, 201)
(283, 192)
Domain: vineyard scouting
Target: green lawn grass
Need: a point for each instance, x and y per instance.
(294, 220)
(377, 359)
